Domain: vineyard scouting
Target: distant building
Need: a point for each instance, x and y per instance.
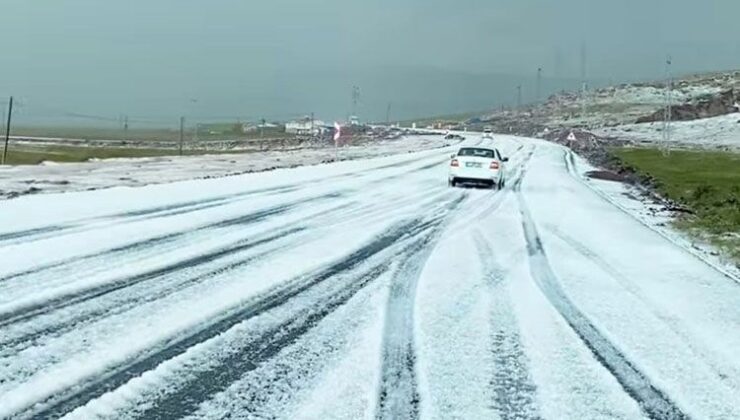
(248, 128)
(305, 126)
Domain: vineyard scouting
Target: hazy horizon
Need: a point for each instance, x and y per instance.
(86, 61)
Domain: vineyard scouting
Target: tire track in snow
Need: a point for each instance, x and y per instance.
(157, 241)
(514, 393)
(45, 232)
(43, 308)
(172, 238)
(398, 395)
(81, 225)
(204, 385)
(63, 403)
(653, 401)
(631, 286)
(6, 237)
(76, 297)
(115, 305)
(133, 252)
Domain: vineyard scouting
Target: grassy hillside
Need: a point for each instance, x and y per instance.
(707, 182)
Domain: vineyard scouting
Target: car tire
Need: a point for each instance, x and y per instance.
(452, 183)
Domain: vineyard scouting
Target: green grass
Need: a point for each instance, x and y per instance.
(98, 133)
(225, 130)
(462, 117)
(707, 182)
(58, 153)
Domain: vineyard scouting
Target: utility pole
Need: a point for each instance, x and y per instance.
(584, 101)
(182, 133)
(312, 122)
(584, 83)
(355, 99)
(669, 105)
(125, 127)
(538, 87)
(519, 96)
(583, 63)
(7, 130)
(262, 127)
(388, 114)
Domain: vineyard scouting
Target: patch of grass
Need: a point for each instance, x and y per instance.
(98, 133)
(222, 131)
(707, 182)
(59, 153)
(459, 118)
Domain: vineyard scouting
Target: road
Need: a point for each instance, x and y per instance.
(363, 289)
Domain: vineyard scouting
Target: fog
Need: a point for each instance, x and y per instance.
(154, 60)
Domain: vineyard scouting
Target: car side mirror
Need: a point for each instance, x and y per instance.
(452, 156)
(505, 159)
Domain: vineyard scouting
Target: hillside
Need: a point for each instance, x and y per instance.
(704, 113)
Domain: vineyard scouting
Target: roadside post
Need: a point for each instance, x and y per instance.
(337, 136)
(182, 133)
(571, 139)
(7, 130)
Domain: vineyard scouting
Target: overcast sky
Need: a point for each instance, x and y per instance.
(275, 58)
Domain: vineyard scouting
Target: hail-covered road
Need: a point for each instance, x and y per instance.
(364, 289)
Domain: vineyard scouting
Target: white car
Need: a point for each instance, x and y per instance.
(488, 133)
(479, 166)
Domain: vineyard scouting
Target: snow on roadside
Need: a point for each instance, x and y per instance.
(633, 201)
(717, 132)
(33, 179)
(634, 284)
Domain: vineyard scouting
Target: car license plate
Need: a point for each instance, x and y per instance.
(473, 165)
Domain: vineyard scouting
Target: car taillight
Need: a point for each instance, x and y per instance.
(494, 165)
(454, 163)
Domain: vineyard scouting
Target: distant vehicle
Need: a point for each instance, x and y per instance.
(488, 133)
(451, 136)
(478, 166)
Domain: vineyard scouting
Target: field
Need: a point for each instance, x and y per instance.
(58, 153)
(85, 143)
(62, 153)
(211, 131)
(706, 182)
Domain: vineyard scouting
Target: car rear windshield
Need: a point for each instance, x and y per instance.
(471, 151)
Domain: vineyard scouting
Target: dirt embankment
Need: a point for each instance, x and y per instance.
(705, 107)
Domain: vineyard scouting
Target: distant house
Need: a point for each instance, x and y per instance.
(248, 128)
(305, 126)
